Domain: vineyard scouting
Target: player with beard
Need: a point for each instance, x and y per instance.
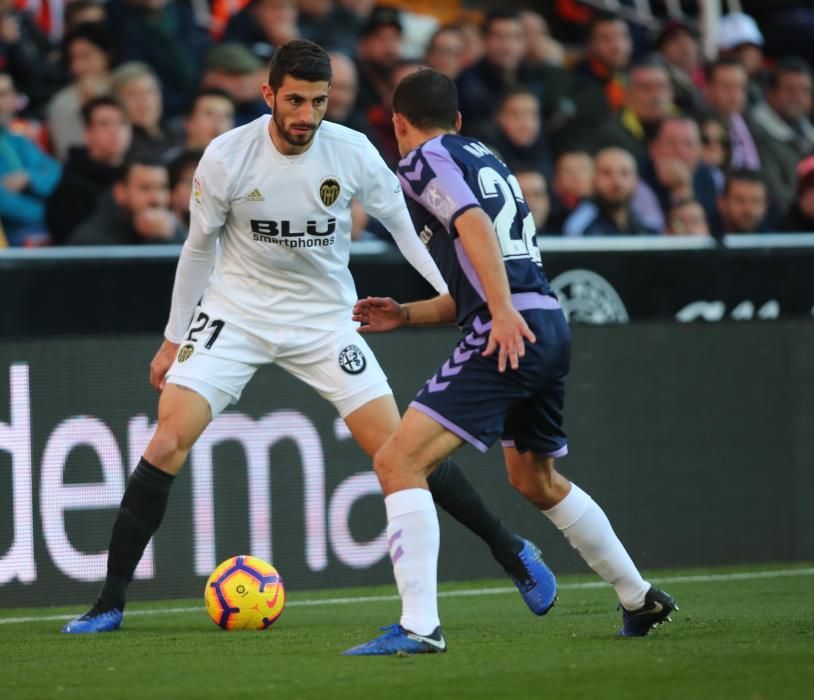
(609, 211)
(267, 256)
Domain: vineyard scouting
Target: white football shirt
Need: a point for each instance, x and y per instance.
(285, 223)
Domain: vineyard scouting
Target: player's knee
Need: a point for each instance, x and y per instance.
(167, 446)
(535, 478)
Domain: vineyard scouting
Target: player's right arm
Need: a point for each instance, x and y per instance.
(509, 328)
(209, 207)
(380, 314)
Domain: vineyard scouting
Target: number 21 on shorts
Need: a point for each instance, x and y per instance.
(202, 323)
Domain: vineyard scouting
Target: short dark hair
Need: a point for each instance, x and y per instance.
(192, 105)
(144, 160)
(499, 15)
(714, 66)
(185, 159)
(787, 65)
(513, 91)
(301, 59)
(671, 118)
(95, 33)
(427, 99)
(743, 175)
(100, 101)
(601, 17)
(650, 61)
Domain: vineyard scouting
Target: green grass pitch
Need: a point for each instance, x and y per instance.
(740, 634)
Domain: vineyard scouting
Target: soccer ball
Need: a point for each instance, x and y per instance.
(244, 593)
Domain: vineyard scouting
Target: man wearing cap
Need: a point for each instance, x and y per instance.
(740, 39)
(800, 217)
(783, 129)
(233, 68)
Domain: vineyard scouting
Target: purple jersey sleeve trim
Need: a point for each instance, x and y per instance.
(447, 194)
(449, 425)
(452, 226)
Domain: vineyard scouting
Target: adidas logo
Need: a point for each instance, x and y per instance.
(255, 196)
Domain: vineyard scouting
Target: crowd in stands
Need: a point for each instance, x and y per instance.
(611, 129)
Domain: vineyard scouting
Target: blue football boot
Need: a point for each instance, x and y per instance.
(533, 579)
(397, 641)
(95, 621)
(656, 610)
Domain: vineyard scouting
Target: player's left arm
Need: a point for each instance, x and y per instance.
(380, 314)
(509, 328)
(381, 196)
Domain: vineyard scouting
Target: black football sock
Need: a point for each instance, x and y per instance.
(452, 491)
(140, 514)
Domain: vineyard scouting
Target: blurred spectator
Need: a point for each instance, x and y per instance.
(378, 53)
(680, 49)
(673, 171)
(328, 24)
(726, 95)
(598, 85)
(342, 97)
(165, 36)
(236, 70)
(541, 48)
(516, 132)
(783, 129)
(380, 117)
(88, 51)
(500, 68)
(535, 192)
(137, 88)
(137, 210)
(27, 56)
(743, 205)
(445, 52)
(687, 218)
(649, 99)
(27, 177)
(473, 43)
(573, 182)
(609, 211)
(182, 170)
(739, 39)
(800, 217)
(715, 149)
(82, 12)
(360, 9)
(90, 170)
(263, 25)
(210, 114)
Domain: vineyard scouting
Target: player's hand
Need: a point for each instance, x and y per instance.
(509, 329)
(379, 314)
(161, 364)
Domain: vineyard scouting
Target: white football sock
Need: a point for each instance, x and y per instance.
(414, 536)
(588, 530)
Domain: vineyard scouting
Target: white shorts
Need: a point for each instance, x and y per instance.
(218, 358)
